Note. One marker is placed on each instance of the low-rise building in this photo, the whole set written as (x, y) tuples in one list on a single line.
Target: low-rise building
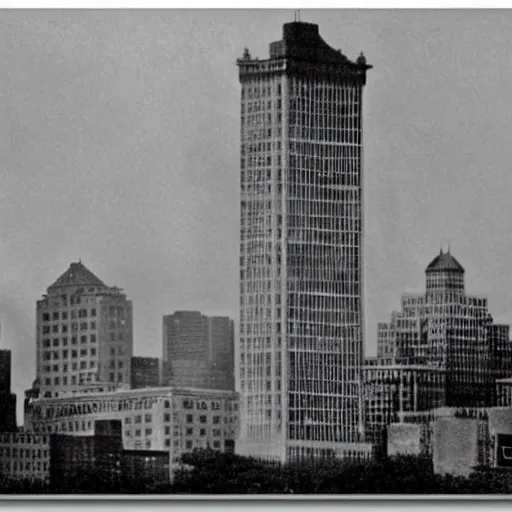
[(174, 420), (25, 456)]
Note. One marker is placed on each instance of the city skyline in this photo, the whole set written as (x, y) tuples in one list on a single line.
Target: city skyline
[(93, 111)]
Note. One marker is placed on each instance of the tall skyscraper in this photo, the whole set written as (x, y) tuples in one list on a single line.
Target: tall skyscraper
[(301, 249), (199, 350), (84, 334)]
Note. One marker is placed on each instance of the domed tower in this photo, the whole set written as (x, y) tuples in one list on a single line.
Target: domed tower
[(445, 275)]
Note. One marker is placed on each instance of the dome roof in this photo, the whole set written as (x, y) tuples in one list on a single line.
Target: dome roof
[(445, 262)]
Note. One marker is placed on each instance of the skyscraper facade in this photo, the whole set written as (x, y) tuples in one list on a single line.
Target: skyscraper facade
[(84, 334), (301, 248), (199, 350)]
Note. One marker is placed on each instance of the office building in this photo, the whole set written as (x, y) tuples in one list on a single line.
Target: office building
[(7, 398), (446, 328), (146, 372), (84, 334), (174, 420), (199, 350), (301, 250)]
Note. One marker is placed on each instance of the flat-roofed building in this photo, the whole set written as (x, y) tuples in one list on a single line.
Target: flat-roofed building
[(174, 420)]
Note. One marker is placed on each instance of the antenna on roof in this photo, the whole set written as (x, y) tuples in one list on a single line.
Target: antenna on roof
[(296, 16)]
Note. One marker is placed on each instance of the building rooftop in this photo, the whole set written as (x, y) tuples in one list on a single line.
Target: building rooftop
[(444, 261), (77, 275)]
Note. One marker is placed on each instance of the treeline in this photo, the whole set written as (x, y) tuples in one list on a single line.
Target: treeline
[(210, 472)]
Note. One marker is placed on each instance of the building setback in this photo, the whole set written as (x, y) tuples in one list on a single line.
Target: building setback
[(301, 249), (84, 334), (199, 350)]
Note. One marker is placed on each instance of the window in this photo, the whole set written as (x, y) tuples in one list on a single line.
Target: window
[(64, 328), (127, 433), (202, 419), (46, 343), (188, 445), (202, 432), (56, 381), (73, 378), (93, 338), (73, 340), (147, 418), (83, 365), (55, 367), (166, 403), (93, 325), (83, 352), (74, 354), (112, 377), (46, 317), (190, 418), (149, 431), (83, 339), (127, 420), (74, 366), (167, 442), (167, 417), (65, 341), (216, 444), (93, 312), (167, 431), (137, 433), (93, 351), (55, 328), (64, 315), (119, 377), (216, 420), (138, 419)]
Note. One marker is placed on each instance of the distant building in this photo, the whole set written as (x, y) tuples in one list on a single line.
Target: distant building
[(199, 350), (391, 389), (7, 399), (84, 334), (174, 420), (447, 329), (146, 372)]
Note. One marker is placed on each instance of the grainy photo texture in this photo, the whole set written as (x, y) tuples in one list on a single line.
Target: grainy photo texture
[(300, 223)]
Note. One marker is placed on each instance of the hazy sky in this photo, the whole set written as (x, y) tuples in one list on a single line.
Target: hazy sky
[(120, 146)]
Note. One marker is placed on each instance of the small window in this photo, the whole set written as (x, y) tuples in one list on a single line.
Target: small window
[(190, 418)]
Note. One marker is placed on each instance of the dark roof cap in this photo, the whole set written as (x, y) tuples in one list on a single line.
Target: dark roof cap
[(445, 261)]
